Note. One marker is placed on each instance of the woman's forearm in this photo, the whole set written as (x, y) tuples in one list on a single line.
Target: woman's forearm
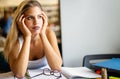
[(23, 57), (53, 56)]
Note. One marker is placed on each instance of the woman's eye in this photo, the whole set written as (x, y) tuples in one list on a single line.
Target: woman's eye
[(39, 16), (29, 17)]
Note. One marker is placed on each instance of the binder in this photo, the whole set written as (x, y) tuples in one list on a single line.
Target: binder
[(111, 65)]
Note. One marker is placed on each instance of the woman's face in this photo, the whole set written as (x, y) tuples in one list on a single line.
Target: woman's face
[(33, 19)]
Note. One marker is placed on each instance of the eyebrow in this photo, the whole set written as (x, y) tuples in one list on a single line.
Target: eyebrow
[(31, 14)]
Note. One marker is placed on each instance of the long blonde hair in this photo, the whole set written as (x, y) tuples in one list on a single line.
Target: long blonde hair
[(14, 32)]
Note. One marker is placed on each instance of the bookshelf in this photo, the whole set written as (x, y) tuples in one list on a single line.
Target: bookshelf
[(53, 13)]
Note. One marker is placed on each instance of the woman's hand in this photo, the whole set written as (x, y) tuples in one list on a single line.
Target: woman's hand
[(23, 28), (45, 23)]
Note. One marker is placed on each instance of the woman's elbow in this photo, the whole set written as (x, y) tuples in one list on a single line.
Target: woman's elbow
[(19, 75), (56, 67)]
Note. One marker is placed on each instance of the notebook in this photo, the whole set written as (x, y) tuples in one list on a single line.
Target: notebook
[(79, 72), (113, 63)]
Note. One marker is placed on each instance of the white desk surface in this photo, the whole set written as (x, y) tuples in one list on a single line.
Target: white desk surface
[(9, 75)]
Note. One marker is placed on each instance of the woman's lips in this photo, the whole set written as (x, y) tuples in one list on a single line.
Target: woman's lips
[(35, 28)]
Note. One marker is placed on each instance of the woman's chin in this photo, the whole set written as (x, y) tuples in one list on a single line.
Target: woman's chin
[(35, 33)]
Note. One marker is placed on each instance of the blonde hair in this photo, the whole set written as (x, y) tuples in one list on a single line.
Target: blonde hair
[(14, 32)]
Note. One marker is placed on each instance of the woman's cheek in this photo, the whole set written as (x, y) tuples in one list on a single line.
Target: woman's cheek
[(27, 23)]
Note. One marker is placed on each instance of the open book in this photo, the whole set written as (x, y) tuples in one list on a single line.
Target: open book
[(79, 72)]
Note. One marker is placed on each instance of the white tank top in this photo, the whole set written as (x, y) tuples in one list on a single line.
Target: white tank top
[(36, 63)]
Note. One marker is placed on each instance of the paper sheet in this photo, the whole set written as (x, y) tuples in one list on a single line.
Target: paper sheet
[(80, 72), (42, 76)]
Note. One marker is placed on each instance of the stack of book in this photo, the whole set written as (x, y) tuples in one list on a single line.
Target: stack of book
[(112, 66), (79, 72)]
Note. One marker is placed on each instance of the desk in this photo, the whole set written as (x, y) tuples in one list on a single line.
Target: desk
[(9, 75)]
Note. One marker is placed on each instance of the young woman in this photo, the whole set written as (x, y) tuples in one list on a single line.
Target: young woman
[(30, 43)]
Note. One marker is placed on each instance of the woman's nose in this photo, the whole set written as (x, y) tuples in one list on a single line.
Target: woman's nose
[(35, 21)]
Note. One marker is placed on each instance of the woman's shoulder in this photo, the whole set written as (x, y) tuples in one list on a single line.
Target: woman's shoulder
[(49, 31), (51, 35)]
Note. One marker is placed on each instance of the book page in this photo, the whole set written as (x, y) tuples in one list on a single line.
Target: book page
[(79, 72)]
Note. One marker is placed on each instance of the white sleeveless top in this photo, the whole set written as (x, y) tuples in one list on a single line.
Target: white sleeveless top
[(36, 63)]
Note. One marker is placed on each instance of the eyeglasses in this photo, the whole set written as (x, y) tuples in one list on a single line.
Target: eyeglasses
[(47, 72)]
